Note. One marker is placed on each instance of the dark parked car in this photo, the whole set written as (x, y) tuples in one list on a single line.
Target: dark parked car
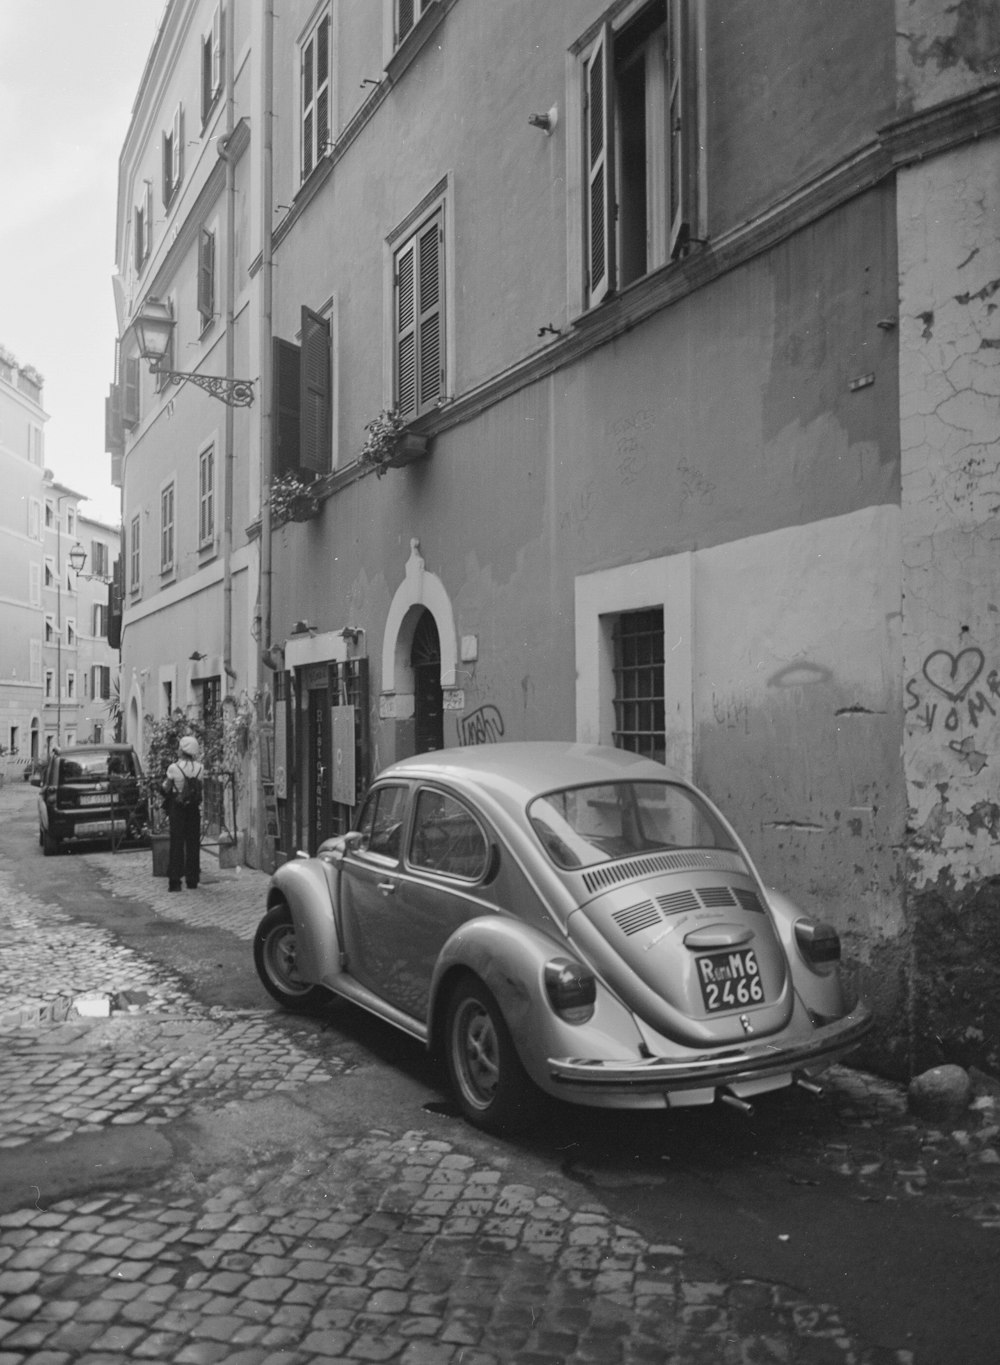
[(566, 919), (90, 792)]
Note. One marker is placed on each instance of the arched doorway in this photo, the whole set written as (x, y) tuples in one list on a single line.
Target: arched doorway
[(428, 700)]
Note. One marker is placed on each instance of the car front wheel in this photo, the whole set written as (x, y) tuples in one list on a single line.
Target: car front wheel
[(275, 957), (50, 844), (493, 1090)]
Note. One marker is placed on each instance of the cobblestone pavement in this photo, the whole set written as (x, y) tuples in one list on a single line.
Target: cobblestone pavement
[(386, 1245)]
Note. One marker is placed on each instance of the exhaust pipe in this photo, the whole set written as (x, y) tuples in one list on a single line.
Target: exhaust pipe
[(735, 1102), (810, 1087)]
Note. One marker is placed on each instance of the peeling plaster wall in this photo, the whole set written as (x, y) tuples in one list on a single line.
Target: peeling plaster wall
[(949, 255), (944, 50)]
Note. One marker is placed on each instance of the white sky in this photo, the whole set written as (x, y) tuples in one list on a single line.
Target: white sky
[(69, 73)]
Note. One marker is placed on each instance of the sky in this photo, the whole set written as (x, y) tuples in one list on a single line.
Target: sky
[(69, 74)]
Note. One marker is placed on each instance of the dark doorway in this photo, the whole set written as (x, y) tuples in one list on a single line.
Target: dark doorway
[(318, 765), (425, 660)]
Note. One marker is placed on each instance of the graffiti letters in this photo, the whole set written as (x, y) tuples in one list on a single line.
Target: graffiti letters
[(969, 697), (482, 726)]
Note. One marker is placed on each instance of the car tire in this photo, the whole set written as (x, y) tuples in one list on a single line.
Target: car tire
[(50, 844), (274, 956), (490, 1084)]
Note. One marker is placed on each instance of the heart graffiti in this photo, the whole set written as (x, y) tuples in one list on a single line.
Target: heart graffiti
[(954, 674)]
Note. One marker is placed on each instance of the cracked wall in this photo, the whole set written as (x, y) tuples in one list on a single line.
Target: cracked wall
[(949, 268)]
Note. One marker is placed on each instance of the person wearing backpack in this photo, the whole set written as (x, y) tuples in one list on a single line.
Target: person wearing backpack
[(182, 798)]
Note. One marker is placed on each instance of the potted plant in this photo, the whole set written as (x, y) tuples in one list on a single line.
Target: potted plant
[(294, 499), (388, 444)]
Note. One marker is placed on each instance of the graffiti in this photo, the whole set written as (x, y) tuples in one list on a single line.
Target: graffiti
[(482, 726), (580, 506), (694, 485), (954, 677)]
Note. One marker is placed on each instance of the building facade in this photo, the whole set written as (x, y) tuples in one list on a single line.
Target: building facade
[(682, 316), (22, 460)]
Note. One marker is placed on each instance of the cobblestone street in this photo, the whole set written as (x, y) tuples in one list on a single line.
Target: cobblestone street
[(303, 1243)]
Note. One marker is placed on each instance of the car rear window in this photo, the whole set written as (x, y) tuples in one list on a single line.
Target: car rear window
[(96, 767), (580, 826)]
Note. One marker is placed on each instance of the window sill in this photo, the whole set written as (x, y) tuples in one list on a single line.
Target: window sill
[(415, 40)]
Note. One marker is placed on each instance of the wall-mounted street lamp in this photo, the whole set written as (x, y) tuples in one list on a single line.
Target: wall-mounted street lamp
[(153, 326), (77, 558), (196, 656)]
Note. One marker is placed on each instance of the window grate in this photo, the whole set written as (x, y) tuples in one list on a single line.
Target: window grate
[(640, 723)]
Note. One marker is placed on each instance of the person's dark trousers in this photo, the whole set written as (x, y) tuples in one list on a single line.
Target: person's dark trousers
[(185, 846)]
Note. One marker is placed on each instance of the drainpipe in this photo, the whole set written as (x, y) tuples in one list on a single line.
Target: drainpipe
[(230, 304), (266, 332)]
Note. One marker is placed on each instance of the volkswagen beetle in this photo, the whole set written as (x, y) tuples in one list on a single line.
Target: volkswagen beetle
[(563, 919)]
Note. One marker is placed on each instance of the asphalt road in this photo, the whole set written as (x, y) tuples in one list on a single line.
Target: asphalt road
[(786, 1196)]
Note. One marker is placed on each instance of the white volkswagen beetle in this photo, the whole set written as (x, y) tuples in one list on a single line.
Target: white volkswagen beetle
[(566, 919)]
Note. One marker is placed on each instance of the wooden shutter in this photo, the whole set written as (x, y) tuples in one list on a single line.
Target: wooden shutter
[(405, 17), (322, 114), (130, 392), (314, 393), (206, 276), (177, 150), (114, 434), (406, 331), (166, 188), (683, 125), (599, 145), (430, 312), (216, 51), (285, 428), (308, 111)]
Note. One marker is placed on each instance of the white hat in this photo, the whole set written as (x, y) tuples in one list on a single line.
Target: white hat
[(189, 746)]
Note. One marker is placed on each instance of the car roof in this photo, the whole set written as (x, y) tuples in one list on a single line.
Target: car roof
[(524, 768), (72, 749)]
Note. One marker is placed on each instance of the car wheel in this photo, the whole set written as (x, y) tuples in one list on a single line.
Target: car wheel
[(274, 955), (491, 1086), (50, 844)]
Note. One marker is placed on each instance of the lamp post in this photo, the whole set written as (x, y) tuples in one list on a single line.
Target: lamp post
[(153, 327)]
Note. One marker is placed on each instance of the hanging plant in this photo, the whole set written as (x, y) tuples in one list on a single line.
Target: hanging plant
[(388, 444), (293, 499)]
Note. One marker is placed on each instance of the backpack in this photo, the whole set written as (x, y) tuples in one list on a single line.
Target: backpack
[(190, 793)]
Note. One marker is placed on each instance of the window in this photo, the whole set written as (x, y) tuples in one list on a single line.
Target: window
[(36, 445), (71, 522), (173, 156), (50, 572), (50, 514), (144, 226), (640, 723), (70, 685), (34, 519), (100, 559), (101, 682), (315, 84), (167, 528), (640, 147), (211, 66), (206, 497), (206, 276), (100, 620), (382, 822), (134, 576), (418, 277), (129, 392), (50, 628), (303, 421), (70, 632), (209, 692), (50, 682), (14, 737), (407, 14), (446, 837)]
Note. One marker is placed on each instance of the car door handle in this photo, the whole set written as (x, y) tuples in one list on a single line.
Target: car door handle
[(386, 887)]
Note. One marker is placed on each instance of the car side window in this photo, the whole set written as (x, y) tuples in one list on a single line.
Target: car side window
[(447, 837), (382, 822)]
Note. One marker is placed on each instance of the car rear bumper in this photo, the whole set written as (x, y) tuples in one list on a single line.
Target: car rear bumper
[(727, 1067)]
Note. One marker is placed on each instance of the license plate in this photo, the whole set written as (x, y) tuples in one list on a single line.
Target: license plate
[(93, 799), (730, 981)]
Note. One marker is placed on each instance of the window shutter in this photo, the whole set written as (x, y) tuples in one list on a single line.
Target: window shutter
[(114, 435), (430, 337), (216, 51), (206, 276), (130, 392), (314, 402), (406, 331), (167, 159), (405, 10), (599, 235), (115, 594), (177, 150), (683, 127), (285, 439), (147, 221), (308, 113), (322, 88)]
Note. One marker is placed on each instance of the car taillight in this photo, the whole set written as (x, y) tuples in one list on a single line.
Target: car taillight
[(571, 989), (819, 943)]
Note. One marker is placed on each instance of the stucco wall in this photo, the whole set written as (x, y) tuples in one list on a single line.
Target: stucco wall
[(949, 230)]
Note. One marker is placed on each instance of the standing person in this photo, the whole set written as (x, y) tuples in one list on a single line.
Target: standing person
[(182, 790)]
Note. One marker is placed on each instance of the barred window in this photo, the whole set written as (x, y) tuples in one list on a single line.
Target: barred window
[(640, 724)]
